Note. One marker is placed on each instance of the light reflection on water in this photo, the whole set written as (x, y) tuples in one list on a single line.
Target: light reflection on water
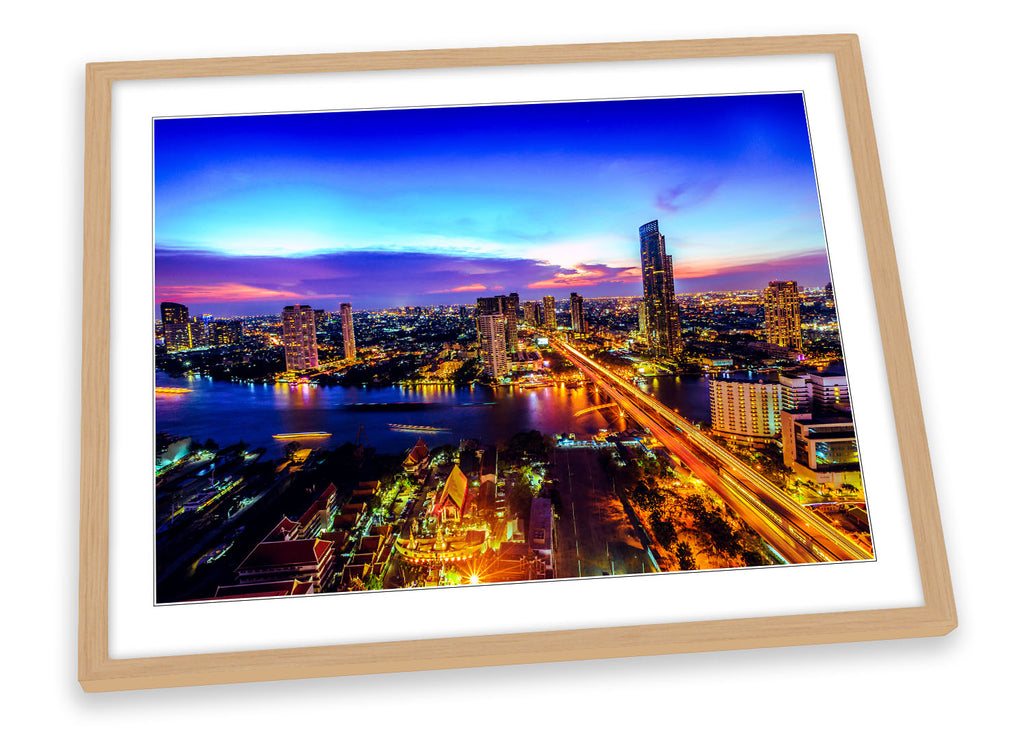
[(227, 412)]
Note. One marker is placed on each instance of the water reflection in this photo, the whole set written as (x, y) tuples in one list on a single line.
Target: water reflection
[(228, 413)]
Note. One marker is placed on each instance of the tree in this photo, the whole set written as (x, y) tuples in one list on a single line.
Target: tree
[(645, 498), (444, 454), (685, 555), (291, 449), (663, 530)]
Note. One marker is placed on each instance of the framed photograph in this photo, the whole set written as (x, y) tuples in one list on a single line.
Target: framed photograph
[(434, 359)]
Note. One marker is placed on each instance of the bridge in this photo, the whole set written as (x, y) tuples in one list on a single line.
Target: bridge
[(595, 409), (796, 534)]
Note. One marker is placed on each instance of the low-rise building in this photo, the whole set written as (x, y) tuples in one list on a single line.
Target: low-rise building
[(821, 447), (320, 514), (450, 504), (289, 559), (417, 458)]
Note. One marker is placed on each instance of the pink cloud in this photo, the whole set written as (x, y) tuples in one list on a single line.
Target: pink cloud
[(589, 275), (466, 288), (223, 292)]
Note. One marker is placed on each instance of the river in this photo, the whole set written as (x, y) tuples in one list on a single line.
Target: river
[(228, 412)]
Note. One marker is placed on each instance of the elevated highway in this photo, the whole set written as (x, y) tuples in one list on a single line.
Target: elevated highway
[(796, 534)]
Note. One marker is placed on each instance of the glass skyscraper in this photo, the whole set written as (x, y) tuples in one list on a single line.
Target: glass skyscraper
[(662, 312)]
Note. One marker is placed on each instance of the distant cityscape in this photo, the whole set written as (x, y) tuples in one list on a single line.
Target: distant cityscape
[(321, 450)]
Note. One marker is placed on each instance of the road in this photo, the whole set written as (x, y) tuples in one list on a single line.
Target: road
[(594, 535), (798, 535)]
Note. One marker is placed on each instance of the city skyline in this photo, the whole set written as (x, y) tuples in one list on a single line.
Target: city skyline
[(442, 206)]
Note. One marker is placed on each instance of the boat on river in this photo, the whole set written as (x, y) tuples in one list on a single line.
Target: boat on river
[(302, 435)]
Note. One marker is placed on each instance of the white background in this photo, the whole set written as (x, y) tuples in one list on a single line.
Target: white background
[(138, 629), (947, 122)]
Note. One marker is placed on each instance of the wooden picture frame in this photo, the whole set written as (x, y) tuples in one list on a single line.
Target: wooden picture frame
[(98, 671)]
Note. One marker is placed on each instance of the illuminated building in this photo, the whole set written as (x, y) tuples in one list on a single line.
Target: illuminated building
[(227, 332), (417, 458), (753, 408), (493, 349), (320, 320), (348, 335), (642, 319), (177, 332), (550, 318), (502, 305), (451, 502), (822, 392), (319, 516), (286, 560), (746, 409), (782, 315), (299, 337), (531, 313), (715, 364), (513, 306), (659, 292), (202, 331), (821, 447), (579, 322)]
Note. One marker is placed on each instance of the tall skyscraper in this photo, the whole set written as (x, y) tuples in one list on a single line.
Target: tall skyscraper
[(502, 305), (300, 352), (579, 322), (511, 322), (348, 335), (513, 305), (659, 292), (642, 319), (202, 331), (177, 331), (550, 318), (782, 315), (493, 349), (531, 313)]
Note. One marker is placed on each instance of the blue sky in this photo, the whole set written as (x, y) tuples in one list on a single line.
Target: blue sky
[(253, 212)]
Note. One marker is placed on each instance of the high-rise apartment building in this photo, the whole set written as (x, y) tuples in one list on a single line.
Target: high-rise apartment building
[(820, 392), (493, 349), (578, 321), (550, 318), (782, 315), (746, 409), (177, 332), (502, 305), (227, 332), (659, 292), (202, 330), (348, 335), (531, 313), (642, 319), (300, 351), (513, 305), (511, 309)]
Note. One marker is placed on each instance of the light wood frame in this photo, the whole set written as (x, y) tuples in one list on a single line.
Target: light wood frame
[(97, 671)]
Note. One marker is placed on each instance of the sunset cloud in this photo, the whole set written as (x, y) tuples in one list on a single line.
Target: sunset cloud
[(466, 288), (589, 275), (222, 292)]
